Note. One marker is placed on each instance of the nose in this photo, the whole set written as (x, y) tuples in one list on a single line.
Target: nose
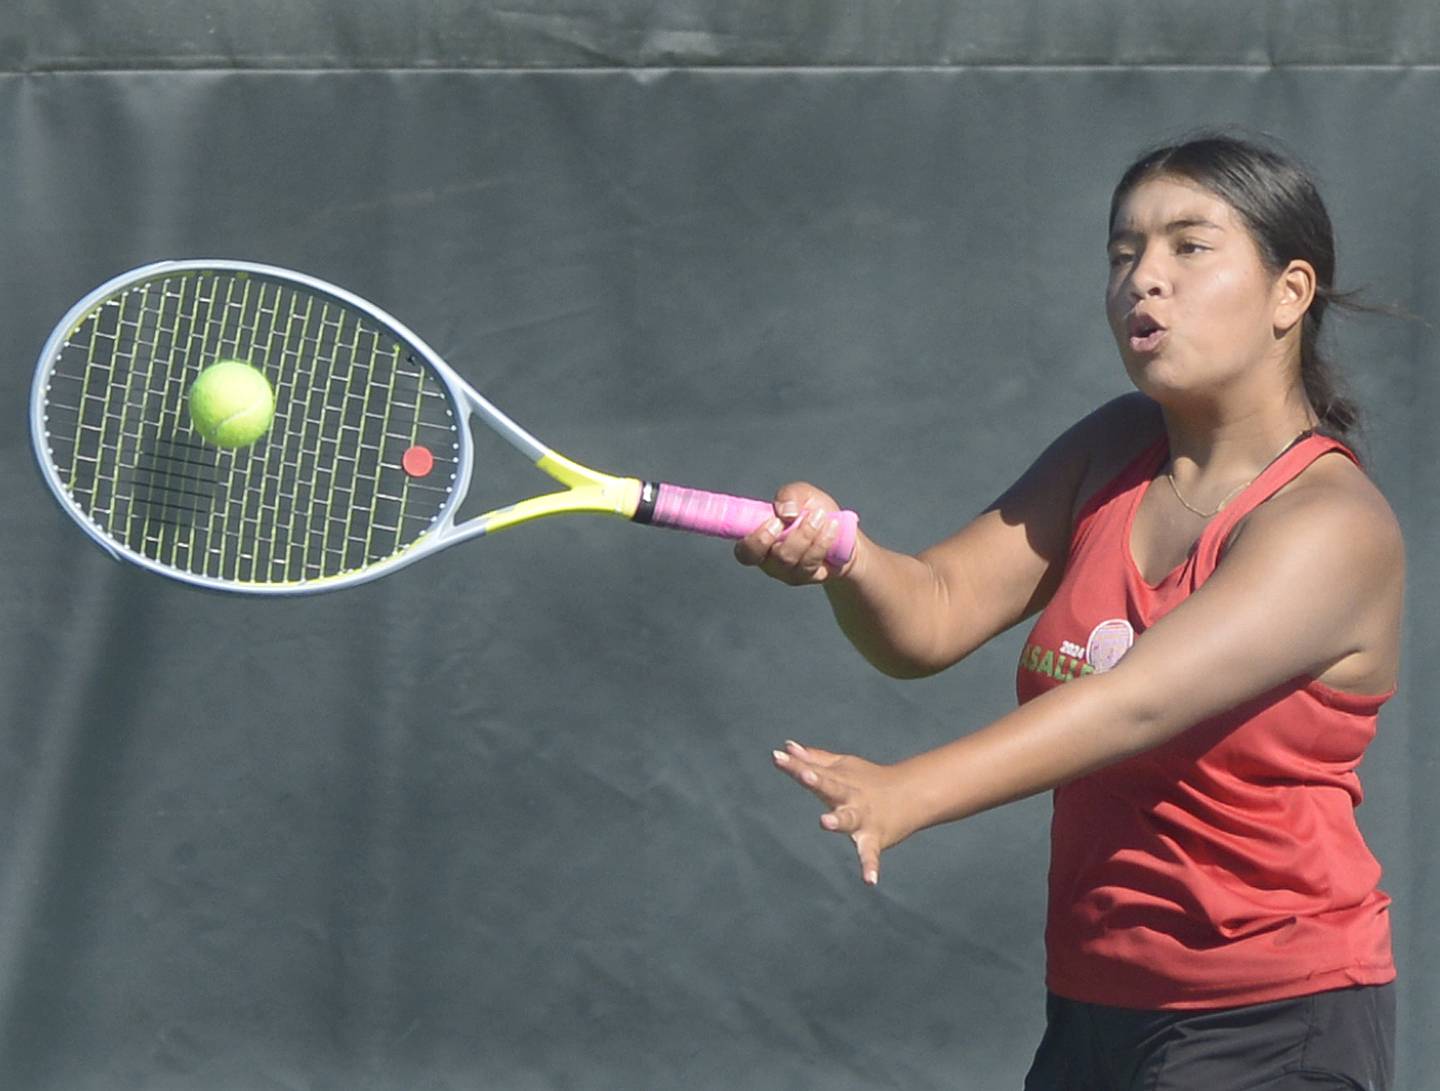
[(1148, 275)]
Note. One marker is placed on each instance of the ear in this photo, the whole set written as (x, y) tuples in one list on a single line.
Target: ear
[(1294, 292)]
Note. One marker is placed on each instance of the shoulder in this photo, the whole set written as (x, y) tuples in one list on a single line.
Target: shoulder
[(1095, 448), (1107, 440), (1082, 460), (1327, 553), (1111, 436), (1332, 512)]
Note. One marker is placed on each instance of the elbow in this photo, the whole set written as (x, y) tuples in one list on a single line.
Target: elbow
[(911, 672), (1146, 727), (1139, 719), (903, 668)]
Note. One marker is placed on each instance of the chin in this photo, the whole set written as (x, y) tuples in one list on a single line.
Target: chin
[(1158, 381), (1150, 374)]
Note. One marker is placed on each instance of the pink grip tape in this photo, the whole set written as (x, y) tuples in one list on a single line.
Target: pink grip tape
[(723, 516)]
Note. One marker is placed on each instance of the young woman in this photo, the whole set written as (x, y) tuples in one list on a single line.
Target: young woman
[(1219, 590)]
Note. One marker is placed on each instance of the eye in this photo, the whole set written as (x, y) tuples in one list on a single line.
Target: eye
[(1120, 257), (1190, 246)]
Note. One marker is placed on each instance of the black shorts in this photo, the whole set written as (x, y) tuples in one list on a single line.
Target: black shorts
[(1342, 1040)]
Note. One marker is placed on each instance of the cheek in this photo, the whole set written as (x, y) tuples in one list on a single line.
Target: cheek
[(1231, 299), (1116, 308)]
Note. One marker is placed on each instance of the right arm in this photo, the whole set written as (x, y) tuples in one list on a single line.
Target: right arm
[(914, 615)]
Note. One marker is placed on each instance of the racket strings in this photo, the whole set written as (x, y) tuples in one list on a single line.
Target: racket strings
[(323, 493)]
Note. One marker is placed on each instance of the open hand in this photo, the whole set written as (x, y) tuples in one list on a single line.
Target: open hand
[(864, 799)]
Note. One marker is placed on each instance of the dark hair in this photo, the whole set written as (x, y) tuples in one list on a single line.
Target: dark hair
[(1281, 206)]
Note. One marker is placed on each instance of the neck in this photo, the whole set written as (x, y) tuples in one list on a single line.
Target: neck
[(1209, 437), (1212, 453)]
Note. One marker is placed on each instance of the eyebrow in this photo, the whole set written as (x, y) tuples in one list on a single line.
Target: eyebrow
[(1184, 223)]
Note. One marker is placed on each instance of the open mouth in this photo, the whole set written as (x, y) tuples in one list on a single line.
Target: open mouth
[(1145, 333)]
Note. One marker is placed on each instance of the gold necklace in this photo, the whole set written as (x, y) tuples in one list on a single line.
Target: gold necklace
[(1237, 490)]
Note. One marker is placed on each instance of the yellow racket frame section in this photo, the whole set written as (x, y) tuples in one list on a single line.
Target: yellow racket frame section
[(586, 490)]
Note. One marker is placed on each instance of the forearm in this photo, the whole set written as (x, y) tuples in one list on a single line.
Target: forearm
[(913, 616), (893, 607), (1075, 729), (1085, 725)]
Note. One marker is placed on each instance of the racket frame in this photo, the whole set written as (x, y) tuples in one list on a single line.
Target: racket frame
[(586, 490)]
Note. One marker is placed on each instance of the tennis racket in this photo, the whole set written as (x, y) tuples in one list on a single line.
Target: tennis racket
[(362, 471)]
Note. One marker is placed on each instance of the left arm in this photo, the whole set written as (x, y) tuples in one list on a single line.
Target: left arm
[(1309, 586)]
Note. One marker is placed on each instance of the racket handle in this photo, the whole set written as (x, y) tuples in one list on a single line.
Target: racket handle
[(723, 516)]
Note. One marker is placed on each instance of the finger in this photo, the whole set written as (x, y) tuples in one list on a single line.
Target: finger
[(867, 846), (755, 547), (792, 499), (800, 555), (827, 790), (868, 849), (798, 536), (825, 528), (842, 819), (813, 754), (783, 560)]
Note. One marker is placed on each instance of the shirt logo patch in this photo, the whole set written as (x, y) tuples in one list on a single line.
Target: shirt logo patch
[(1108, 643)]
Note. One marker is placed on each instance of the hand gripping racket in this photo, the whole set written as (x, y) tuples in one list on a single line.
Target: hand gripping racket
[(362, 471)]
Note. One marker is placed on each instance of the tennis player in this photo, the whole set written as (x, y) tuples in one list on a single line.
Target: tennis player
[(1218, 588)]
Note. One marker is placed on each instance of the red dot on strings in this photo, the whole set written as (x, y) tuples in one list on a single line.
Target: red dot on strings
[(418, 461)]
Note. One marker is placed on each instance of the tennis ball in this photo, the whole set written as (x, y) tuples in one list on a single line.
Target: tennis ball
[(231, 404)]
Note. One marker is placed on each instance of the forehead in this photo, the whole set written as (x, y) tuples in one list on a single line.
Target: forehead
[(1161, 202)]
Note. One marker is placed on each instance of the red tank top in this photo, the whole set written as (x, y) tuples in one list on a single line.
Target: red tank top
[(1224, 867)]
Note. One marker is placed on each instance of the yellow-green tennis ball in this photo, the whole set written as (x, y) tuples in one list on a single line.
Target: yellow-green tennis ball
[(231, 404)]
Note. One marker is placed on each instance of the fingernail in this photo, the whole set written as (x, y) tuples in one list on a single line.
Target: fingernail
[(789, 509), (781, 756), (774, 526), (791, 744), (810, 776), (829, 821), (817, 519), (872, 878)]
